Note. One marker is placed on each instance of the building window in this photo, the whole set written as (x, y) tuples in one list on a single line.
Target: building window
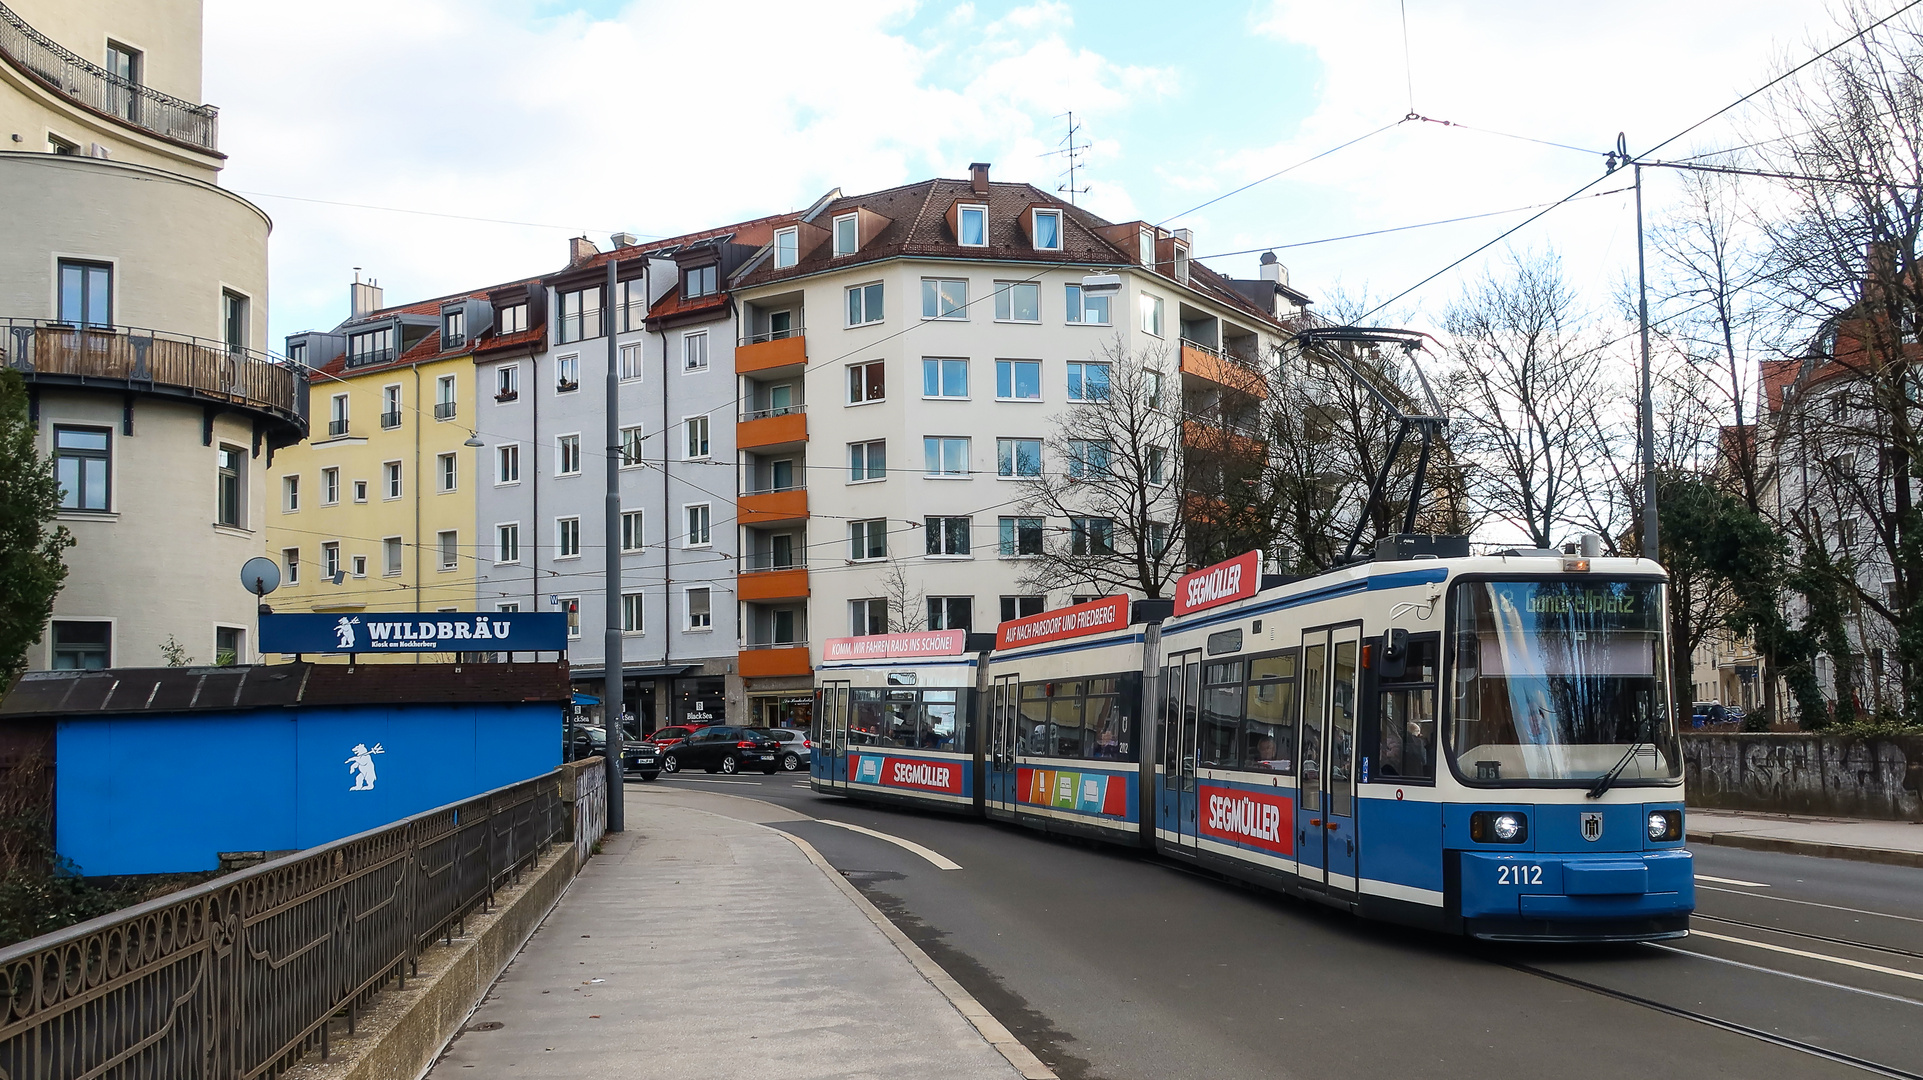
[(337, 416), (943, 298), (867, 461), (1157, 539), (631, 447), (866, 382), (330, 487), (1018, 458), (1020, 536), (696, 429), (86, 294), (787, 247), (945, 455), (449, 545), (1154, 388), (360, 491), (1091, 536), (390, 480), (230, 466), (1181, 264), (971, 226), (233, 321), (1088, 459), (632, 298), (124, 68), (391, 556), (944, 378), (446, 472), (1087, 382), (631, 537), (82, 646), (331, 560), (1018, 301), (230, 646), (631, 613), (1157, 465), (846, 235), (290, 494), (297, 353), (1021, 607), (1048, 230), (631, 361), (567, 455), (868, 539), (700, 617), (571, 607), (290, 564), (567, 538), (698, 282), (694, 351), (358, 565), (60, 146), (1018, 380), (580, 315), (947, 535), (82, 460), (444, 398), (699, 518), (567, 373), (507, 542), (868, 616), (951, 613), (511, 319), (390, 406), (371, 347), (1151, 314), (507, 382), (1087, 309), (864, 304), (507, 464), (453, 328)]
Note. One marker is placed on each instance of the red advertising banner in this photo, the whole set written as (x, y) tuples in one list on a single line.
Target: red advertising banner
[(1256, 818), (1093, 617), (1219, 584), (925, 775), (895, 646)]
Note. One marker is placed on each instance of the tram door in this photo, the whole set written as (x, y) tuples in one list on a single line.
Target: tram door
[(1325, 834), (1176, 806), (831, 748), (1003, 725)]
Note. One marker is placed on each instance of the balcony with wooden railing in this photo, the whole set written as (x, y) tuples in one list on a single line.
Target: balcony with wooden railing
[(180, 366), (767, 506), (764, 659), (765, 352), (772, 427), (1224, 369)]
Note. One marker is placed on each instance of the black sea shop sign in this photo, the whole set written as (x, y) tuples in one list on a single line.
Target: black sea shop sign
[(445, 631)]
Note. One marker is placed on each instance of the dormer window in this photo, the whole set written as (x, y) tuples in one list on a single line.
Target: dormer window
[(372, 347), (1048, 230), (1181, 264), (511, 319), (845, 235), (1148, 247), (971, 226), (297, 352), (787, 247), (453, 328), (697, 282)]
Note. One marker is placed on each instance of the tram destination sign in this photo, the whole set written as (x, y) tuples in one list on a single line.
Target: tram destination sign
[(444, 631), (1094, 617), (895, 646), (1222, 583)]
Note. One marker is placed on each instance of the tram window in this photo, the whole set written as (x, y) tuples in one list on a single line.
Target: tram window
[(1221, 715), (867, 720), (1405, 723), (1032, 736), (941, 727), (1065, 731), (1268, 727), (1102, 720)]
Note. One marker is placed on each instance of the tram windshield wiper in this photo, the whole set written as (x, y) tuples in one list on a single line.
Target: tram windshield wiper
[(1604, 781)]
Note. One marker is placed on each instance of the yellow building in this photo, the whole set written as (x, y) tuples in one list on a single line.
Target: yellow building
[(376, 511)]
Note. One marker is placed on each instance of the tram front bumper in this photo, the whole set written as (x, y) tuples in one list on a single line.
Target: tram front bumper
[(1562, 896)]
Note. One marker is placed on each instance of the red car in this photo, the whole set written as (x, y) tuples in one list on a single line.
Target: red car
[(665, 737)]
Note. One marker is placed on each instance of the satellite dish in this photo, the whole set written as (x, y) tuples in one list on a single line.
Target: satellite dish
[(260, 575)]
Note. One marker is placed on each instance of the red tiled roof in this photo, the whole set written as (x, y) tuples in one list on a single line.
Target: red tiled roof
[(493, 343), (671, 304)]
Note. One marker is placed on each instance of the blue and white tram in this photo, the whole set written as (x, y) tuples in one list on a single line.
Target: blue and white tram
[(895, 719)]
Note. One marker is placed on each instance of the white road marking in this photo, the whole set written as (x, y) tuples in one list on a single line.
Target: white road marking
[(1846, 962), (1732, 881), (1784, 974), (1812, 903), (941, 861), (704, 780)]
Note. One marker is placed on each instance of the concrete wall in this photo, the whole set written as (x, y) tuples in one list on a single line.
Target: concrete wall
[(1806, 774)]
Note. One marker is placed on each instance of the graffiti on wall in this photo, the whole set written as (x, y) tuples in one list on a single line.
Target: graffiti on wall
[(1806, 774)]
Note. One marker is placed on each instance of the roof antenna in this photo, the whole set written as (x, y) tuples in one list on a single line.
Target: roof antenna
[(1074, 152)]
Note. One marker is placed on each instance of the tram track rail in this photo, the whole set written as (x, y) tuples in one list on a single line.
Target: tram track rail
[(1807, 936)]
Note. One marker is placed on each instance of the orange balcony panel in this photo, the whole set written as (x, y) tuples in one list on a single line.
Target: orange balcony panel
[(762, 355), (760, 663), (773, 585), (771, 430), (772, 506), (1205, 364), (1200, 435)]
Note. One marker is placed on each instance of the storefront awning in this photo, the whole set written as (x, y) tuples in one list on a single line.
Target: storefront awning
[(586, 699), (581, 673)]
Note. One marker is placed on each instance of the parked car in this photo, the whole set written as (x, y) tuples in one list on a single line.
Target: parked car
[(638, 757), (722, 749), (665, 737), (797, 749), (1707, 712)]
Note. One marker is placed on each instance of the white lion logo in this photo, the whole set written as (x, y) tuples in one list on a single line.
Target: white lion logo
[(362, 766)]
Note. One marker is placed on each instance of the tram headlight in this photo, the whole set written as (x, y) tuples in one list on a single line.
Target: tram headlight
[(1498, 827), (1666, 825)]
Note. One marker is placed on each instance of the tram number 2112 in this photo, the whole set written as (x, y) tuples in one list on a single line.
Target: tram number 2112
[(1518, 874)]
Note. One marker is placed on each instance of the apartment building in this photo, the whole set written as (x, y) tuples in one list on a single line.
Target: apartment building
[(376, 511), (133, 300), (904, 355)]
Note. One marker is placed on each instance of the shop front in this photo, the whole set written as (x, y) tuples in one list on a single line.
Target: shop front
[(791, 709)]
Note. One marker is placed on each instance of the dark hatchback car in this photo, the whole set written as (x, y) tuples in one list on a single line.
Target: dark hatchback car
[(722, 749), (642, 759)]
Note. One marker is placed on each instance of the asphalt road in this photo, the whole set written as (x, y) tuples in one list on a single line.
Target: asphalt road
[(1118, 966)]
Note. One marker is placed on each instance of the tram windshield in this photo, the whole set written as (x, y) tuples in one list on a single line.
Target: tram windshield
[(1562, 681)]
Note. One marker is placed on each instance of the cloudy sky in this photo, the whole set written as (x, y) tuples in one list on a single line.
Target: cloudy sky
[(446, 144)]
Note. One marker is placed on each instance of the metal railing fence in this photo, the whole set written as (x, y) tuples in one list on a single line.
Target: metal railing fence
[(156, 358), (93, 86), (237, 978)]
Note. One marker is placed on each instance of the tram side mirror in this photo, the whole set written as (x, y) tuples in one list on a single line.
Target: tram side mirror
[(1395, 653), (1468, 653)]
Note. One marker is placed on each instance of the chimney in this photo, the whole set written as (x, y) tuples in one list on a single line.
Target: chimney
[(1185, 237), (624, 240), (363, 297), (1273, 270), (978, 178), (580, 250)]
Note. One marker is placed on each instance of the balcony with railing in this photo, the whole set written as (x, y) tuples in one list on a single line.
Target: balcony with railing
[(760, 660), (98, 90), (771, 349), (1225, 369), (337, 427), (775, 503), (444, 410), (390, 419), (778, 426), (131, 359)]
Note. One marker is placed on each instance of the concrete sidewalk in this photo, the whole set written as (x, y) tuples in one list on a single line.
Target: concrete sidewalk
[(699, 945), (1898, 843)]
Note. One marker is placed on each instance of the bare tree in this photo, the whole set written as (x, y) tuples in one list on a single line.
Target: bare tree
[(907, 605)]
